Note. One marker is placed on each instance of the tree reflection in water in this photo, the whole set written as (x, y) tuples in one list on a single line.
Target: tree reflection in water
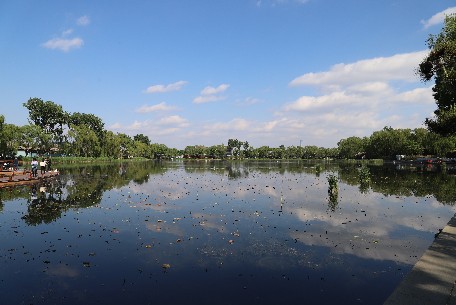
[(265, 226), (83, 186)]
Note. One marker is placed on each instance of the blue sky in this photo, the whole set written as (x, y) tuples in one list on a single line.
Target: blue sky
[(269, 72)]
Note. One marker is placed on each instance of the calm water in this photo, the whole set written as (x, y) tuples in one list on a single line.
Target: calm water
[(218, 233)]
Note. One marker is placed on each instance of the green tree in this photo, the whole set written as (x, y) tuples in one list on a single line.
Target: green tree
[(111, 147), (142, 149), (85, 141), (142, 138), (234, 145), (90, 120), (2, 135), (11, 138), (31, 137), (350, 147), (48, 116), (217, 151), (159, 151), (440, 65), (264, 152), (126, 145)]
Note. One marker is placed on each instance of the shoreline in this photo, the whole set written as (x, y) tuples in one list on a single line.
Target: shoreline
[(433, 278)]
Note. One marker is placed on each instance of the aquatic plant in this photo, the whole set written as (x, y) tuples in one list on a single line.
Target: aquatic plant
[(333, 191), (318, 169), (364, 179)]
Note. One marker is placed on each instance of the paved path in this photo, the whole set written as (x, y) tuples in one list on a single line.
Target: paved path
[(433, 278)]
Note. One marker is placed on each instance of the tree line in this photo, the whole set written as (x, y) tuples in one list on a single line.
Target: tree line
[(53, 130)]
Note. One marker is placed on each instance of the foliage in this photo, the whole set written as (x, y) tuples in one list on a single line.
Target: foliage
[(364, 178), (389, 142), (9, 134), (350, 147), (333, 191), (48, 115), (84, 141), (92, 122), (440, 65), (142, 138)]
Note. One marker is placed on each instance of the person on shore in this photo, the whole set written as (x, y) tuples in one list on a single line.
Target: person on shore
[(15, 164), (48, 164), (42, 166), (34, 167)]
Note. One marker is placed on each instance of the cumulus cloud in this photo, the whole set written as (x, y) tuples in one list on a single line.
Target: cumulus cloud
[(83, 21), (211, 94), (63, 44), (166, 88), (207, 98), (211, 90), (368, 84), (234, 124), (173, 120), (172, 126), (158, 107), (359, 98), (438, 18), (397, 67)]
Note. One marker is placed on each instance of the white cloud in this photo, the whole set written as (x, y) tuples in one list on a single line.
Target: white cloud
[(211, 90), (235, 124), (397, 67), (358, 98), (438, 18), (207, 98), (418, 95), (250, 101), (171, 126), (158, 107), (173, 120), (63, 44), (67, 32), (306, 103), (211, 94), (83, 21), (166, 88)]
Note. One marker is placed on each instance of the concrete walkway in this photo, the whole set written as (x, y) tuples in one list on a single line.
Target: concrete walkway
[(433, 278)]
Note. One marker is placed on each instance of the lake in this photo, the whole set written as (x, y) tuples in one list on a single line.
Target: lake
[(213, 232)]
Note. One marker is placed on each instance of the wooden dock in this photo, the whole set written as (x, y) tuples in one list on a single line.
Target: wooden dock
[(15, 178)]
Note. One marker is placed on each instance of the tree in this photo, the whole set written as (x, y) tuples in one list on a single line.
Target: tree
[(48, 116), (440, 65), (234, 145), (2, 135), (142, 138), (85, 141), (217, 151), (141, 149), (90, 120), (126, 145), (31, 137), (111, 147), (350, 147)]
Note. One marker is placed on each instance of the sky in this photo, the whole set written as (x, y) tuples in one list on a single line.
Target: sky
[(270, 72)]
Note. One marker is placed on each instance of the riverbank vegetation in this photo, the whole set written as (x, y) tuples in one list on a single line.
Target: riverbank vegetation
[(82, 137)]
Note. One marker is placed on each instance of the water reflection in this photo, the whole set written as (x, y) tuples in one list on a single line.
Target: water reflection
[(216, 232)]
